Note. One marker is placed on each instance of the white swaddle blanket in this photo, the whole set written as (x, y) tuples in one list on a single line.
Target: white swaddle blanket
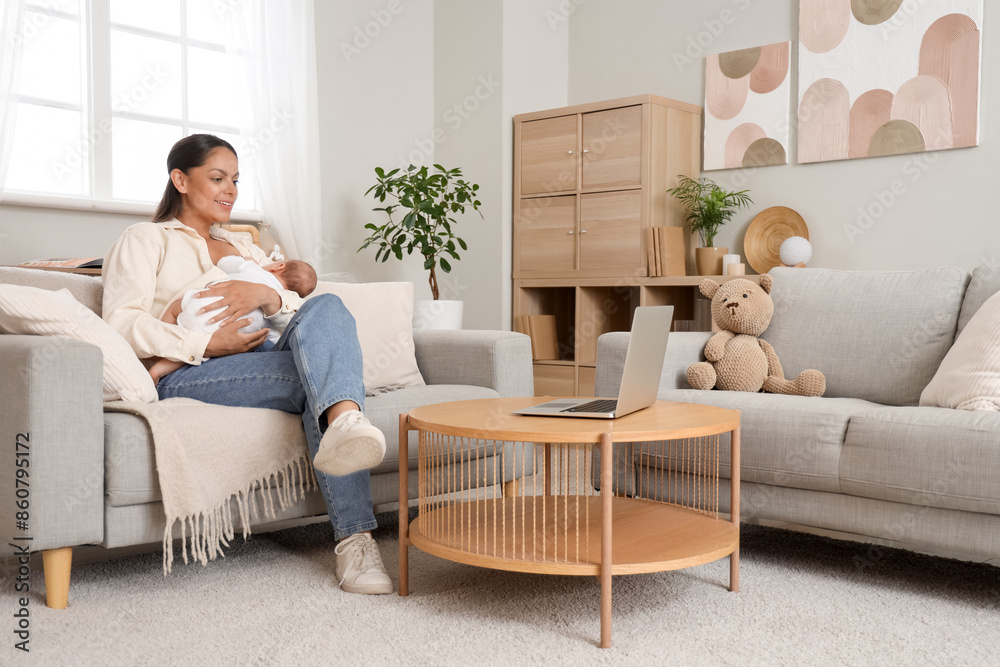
[(237, 268)]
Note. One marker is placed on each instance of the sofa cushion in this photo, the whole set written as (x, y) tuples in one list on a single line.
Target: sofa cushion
[(784, 440), (88, 290), (969, 376), (876, 336), (932, 457), (129, 464), (130, 468), (383, 313), (35, 311), (383, 411), (984, 284)]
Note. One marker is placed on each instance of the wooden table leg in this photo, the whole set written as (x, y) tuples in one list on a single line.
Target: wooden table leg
[(606, 514), (56, 565), (734, 509), (404, 513)]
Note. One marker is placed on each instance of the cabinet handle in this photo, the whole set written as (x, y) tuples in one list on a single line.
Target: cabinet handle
[(570, 152), (570, 232), (582, 231), (586, 150)]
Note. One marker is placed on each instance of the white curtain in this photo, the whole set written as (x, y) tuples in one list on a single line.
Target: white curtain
[(11, 40), (278, 46)]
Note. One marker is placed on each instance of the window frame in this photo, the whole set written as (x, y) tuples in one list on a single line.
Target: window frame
[(97, 105)]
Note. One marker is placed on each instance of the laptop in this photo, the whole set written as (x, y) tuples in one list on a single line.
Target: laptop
[(640, 379)]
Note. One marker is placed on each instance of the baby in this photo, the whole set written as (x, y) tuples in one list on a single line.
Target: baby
[(293, 274)]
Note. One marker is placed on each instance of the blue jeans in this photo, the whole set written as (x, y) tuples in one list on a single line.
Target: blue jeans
[(316, 363)]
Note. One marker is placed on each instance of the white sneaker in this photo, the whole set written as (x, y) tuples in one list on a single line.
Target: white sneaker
[(359, 566), (350, 444)]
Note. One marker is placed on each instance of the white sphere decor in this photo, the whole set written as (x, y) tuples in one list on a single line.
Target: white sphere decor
[(794, 250)]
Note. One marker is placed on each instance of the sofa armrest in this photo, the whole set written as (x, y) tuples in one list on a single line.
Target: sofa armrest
[(50, 392), (683, 349), (500, 360)]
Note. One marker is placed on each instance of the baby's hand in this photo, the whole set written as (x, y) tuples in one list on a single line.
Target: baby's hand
[(172, 313)]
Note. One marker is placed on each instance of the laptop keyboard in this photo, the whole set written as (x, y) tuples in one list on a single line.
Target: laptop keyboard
[(600, 405)]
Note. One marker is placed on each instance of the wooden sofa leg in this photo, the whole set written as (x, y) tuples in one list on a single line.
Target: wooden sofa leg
[(512, 489), (56, 565)]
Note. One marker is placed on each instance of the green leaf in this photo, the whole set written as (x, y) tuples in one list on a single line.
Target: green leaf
[(445, 266), (462, 243), (429, 263)]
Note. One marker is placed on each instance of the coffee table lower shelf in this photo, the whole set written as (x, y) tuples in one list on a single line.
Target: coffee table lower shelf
[(562, 535)]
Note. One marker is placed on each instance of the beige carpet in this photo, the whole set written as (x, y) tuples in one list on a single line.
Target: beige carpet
[(805, 600)]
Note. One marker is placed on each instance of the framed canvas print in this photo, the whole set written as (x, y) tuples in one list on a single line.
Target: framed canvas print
[(887, 77), (747, 94)]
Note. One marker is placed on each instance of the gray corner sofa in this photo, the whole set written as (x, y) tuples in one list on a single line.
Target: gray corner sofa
[(864, 458), (93, 476)]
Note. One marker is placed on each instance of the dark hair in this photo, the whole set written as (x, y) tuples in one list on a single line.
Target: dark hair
[(186, 154), (300, 277)]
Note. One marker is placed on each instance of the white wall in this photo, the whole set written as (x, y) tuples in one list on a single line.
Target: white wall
[(28, 233), (945, 214), (375, 68), (468, 108), (493, 59)]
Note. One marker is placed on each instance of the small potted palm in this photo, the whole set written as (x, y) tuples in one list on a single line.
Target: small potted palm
[(423, 203), (708, 208)]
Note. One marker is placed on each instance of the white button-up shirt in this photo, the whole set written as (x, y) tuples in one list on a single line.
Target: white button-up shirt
[(152, 265)]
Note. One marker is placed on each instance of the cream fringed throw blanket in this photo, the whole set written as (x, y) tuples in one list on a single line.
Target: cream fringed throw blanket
[(210, 455)]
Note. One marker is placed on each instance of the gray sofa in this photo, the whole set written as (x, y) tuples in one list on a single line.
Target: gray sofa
[(93, 476), (864, 458)]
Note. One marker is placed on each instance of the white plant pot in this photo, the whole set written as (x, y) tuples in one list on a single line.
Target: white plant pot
[(438, 314)]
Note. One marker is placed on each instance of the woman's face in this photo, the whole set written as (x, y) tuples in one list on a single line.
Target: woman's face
[(208, 192)]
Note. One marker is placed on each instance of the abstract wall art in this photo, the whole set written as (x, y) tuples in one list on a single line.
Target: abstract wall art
[(887, 77), (747, 94)]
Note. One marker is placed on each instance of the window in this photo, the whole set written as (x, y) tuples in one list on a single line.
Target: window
[(107, 86)]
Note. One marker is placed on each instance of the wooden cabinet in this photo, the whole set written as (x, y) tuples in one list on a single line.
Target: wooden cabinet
[(588, 181), (612, 148), (549, 155), (610, 232)]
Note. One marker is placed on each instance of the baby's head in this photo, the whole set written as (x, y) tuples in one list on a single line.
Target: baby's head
[(295, 275)]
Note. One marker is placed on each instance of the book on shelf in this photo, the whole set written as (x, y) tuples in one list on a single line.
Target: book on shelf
[(671, 251), (541, 329), (665, 251), (74, 263)]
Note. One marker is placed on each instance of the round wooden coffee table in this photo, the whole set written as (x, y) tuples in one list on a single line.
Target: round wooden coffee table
[(518, 493)]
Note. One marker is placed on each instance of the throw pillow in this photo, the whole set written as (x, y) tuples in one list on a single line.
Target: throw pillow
[(31, 310), (969, 375), (383, 313)]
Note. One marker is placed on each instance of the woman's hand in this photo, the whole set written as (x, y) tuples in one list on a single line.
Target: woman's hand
[(239, 298), (228, 339)]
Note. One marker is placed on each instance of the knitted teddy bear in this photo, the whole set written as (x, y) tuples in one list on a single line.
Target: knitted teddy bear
[(737, 360)]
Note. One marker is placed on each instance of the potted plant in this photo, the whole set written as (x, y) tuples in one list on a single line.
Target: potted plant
[(428, 201), (708, 208)]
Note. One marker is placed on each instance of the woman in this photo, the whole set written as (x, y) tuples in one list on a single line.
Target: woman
[(315, 368)]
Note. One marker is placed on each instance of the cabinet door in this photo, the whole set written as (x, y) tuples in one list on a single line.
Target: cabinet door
[(610, 236), (546, 229), (612, 148), (548, 155)]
